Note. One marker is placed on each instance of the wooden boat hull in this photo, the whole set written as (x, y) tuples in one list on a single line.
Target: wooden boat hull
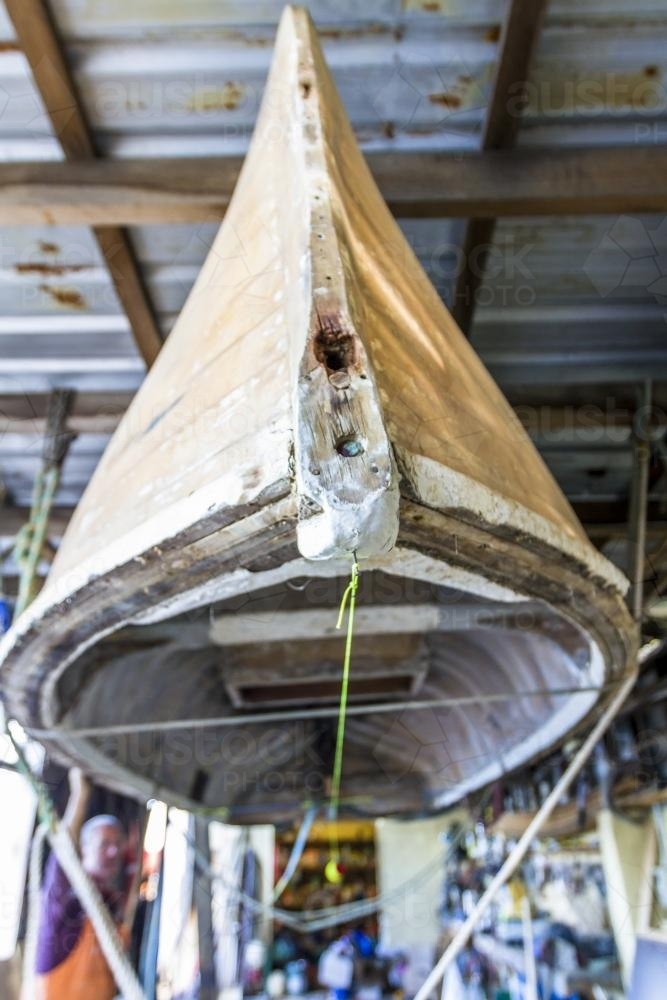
[(315, 398)]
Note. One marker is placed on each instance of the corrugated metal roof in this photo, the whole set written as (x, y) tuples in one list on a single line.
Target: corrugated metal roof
[(567, 301)]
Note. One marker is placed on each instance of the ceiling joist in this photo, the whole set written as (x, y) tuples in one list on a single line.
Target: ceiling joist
[(520, 31), (415, 185), (38, 39)]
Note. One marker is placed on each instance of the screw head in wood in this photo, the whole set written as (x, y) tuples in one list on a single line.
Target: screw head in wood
[(349, 446), (340, 380)]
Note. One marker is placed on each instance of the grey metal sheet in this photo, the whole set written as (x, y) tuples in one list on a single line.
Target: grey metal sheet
[(565, 301)]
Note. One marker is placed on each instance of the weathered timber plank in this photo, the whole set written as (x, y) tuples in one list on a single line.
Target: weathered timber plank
[(520, 31), (496, 183)]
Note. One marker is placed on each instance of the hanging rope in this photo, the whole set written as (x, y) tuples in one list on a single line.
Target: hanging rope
[(31, 538), (29, 545), (32, 922), (332, 871), (87, 892), (104, 927)]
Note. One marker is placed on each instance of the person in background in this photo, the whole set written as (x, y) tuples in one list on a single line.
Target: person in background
[(70, 962)]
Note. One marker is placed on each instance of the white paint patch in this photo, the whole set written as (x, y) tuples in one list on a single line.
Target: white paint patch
[(442, 488)]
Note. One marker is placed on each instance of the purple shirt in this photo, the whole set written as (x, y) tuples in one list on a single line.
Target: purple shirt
[(62, 918)]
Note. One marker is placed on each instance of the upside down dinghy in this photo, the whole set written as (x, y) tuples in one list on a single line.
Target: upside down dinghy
[(315, 399)]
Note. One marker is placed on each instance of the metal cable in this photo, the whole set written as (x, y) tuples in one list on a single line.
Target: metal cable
[(169, 725)]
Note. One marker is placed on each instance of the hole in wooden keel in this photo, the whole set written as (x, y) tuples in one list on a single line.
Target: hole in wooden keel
[(334, 347)]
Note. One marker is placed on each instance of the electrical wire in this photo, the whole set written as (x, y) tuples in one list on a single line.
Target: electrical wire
[(295, 855), (325, 917)]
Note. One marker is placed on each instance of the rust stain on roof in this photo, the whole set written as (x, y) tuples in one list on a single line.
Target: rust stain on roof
[(361, 31), (257, 41), (68, 298), (226, 98), (450, 101), (597, 91), (50, 248), (50, 269), (420, 130), (610, 23)]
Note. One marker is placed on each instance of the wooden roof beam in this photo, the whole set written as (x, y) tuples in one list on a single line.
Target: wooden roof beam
[(38, 37), (429, 185), (518, 38)]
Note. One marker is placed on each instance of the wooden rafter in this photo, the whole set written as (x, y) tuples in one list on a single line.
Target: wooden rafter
[(430, 185), (519, 35), (38, 38)]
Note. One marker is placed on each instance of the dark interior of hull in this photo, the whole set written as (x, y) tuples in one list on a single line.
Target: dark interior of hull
[(260, 655)]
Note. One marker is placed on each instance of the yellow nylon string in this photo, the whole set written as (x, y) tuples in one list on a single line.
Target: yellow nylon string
[(350, 596)]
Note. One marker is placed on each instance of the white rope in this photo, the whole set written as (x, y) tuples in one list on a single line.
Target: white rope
[(93, 904), (515, 857), (95, 907), (28, 990), (87, 892), (331, 916)]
